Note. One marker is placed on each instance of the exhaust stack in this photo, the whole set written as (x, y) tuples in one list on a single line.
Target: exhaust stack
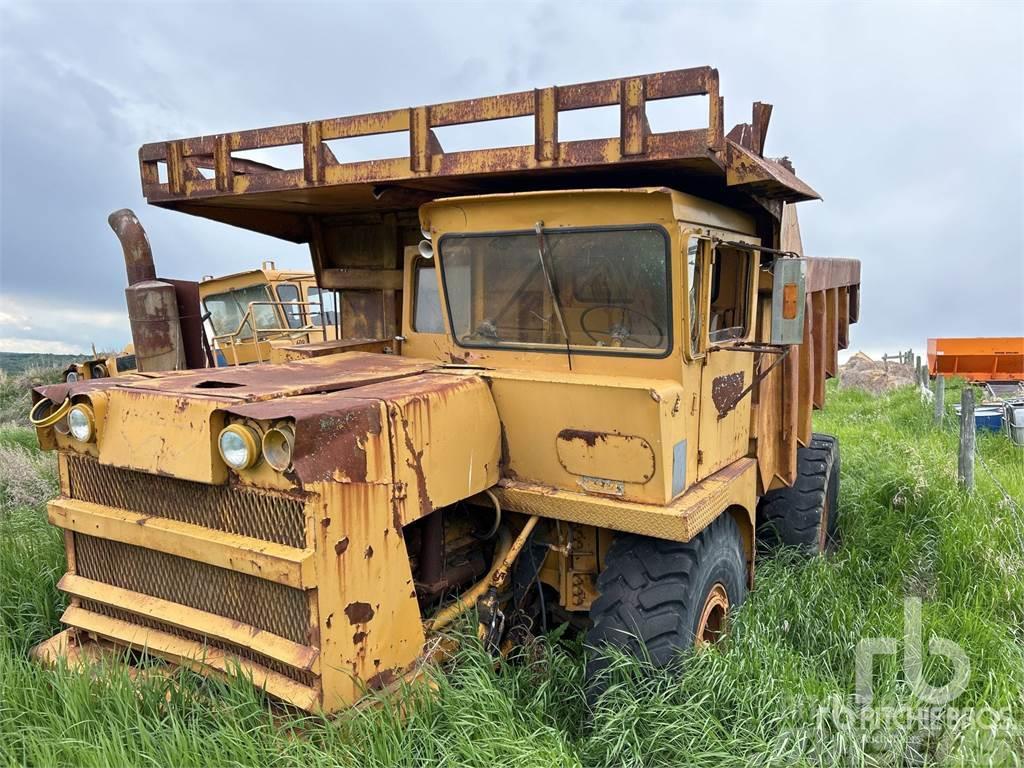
[(152, 304)]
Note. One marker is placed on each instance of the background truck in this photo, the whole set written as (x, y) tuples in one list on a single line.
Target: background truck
[(259, 315), (591, 401)]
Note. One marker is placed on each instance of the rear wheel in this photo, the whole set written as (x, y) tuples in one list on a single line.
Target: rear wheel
[(659, 597), (805, 515)]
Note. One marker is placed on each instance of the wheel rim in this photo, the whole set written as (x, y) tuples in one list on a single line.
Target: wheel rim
[(713, 617)]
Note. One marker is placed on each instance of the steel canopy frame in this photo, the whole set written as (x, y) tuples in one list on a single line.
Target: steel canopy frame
[(325, 185)]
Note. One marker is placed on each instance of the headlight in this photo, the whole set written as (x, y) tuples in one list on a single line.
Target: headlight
[(277, 446), (80, 422), (71, 376), (239, 446), (46, 413)]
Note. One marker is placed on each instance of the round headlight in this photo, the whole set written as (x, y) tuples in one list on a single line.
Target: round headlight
[(239, 446), (71, 376), (277, 446), (46, 413), (99, 371), (80, 422)]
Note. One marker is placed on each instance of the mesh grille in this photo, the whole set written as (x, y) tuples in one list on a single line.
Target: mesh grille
[(269, 606), (259, 514), (299, 675)]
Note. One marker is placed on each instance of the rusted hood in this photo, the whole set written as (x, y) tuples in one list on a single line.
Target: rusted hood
[(335, 432), (258, 382)]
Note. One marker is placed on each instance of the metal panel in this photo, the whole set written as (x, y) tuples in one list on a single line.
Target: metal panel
[(789, 290), (272, 607), (264, 515)]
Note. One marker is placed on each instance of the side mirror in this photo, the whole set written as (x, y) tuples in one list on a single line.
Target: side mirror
[(789, 297)]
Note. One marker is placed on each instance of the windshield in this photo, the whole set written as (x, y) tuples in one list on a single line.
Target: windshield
[(611, 287), (227, 309)]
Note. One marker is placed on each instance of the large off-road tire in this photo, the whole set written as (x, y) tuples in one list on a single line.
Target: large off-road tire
[(804, 515), (657, 597)]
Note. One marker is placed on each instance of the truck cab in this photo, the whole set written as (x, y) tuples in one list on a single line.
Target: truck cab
[(252, 315)]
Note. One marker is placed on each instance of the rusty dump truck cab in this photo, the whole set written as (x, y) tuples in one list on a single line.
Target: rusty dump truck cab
[(580, 342), (263, 315)]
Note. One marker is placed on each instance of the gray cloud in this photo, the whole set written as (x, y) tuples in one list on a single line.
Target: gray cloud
[(906, 117)]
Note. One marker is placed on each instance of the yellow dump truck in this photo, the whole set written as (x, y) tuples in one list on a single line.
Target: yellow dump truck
[(254, 316), (101, 366), (259, 315), (589, 401)]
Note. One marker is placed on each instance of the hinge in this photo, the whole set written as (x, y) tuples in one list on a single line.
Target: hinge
[(700, 456)]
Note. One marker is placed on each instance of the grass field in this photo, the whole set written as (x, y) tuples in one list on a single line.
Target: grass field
[(778, 694)]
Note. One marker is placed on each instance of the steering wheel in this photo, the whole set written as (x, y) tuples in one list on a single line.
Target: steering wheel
[(621, 332)]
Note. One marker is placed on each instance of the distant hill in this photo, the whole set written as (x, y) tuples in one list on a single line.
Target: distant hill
[(14, 363)]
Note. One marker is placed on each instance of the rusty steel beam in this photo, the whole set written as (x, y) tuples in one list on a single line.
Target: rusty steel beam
[(426, 157)]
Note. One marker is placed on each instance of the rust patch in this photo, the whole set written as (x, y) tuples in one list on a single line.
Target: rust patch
[(358, 637), (587, 436), (330, 619), (382, 679), (359, 613), (325, 522), (368, 553), (725, 390), (341, 546), (416, 462)]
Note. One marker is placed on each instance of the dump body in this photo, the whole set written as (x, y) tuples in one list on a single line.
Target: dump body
[(978, 359), (581, 348)]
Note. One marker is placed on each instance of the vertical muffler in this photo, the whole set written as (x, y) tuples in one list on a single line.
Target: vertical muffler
[(152, 304)]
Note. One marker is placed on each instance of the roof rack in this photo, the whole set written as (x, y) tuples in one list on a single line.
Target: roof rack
[(327, 185)]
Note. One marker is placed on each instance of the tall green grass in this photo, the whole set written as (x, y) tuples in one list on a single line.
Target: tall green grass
[(907, 530)]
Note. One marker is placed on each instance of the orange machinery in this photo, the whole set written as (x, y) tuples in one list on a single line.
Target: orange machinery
[(978, 359)]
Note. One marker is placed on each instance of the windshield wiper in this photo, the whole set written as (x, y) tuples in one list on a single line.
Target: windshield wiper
[(542, 247)]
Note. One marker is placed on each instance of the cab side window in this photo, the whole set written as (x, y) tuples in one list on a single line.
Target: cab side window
[(732, 271), (695, 269), (426, 315), (288, 294), (330, 306)]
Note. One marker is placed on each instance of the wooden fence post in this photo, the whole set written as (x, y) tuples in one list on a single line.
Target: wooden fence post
[(940, 399), (965, 465), (917, 370)]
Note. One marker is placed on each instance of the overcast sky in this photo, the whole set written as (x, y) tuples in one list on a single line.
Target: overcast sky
[(908, 119)]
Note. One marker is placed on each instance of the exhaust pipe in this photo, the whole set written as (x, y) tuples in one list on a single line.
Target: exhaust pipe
[(152, 304)]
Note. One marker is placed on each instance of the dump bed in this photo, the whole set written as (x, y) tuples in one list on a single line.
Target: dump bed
[(204, 176)]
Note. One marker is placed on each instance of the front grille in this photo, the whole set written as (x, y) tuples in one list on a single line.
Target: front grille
[(259, 514), (267, 605), (299, 675)]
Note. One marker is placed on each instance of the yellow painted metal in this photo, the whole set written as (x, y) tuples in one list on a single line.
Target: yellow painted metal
[(213, 626), (544, 415), (607, 455), (264, 559), (240, 350), (199, 656), (446, 440), (161, 433), (370, 629), (679, 521)]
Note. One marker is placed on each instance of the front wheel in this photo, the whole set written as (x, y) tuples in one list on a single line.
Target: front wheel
[(659, 597)]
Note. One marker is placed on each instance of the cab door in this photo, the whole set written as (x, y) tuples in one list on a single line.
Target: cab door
[(727, 302)]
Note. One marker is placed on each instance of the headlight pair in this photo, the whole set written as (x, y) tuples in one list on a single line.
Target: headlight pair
[(242, 446), (80, 419)]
